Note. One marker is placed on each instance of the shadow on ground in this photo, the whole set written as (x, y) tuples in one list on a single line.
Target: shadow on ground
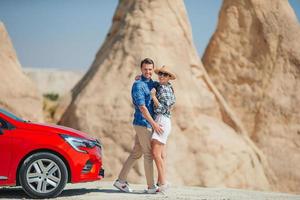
[(18, 193)]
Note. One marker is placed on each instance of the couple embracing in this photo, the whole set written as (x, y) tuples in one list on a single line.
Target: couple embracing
[(152, 101)]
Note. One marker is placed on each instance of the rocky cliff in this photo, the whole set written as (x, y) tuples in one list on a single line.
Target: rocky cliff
[(208, 146), (51, 80), (18, 94), (253, 59)]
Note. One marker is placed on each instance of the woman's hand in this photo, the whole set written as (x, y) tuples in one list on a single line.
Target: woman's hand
[(153, 92), (138, 77)]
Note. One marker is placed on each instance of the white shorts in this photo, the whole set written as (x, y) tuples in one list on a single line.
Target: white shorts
[(165, 123)]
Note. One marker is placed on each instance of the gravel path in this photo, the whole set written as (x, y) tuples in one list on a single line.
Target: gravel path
[(104, 190)]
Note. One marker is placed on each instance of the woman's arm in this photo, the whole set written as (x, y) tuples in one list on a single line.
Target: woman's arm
[(155, 101), (154, 98)]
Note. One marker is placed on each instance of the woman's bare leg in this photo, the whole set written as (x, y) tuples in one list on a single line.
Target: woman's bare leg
[(164, 158), (157, 149)]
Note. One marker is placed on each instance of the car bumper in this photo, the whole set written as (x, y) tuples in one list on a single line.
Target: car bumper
[(87, 166)]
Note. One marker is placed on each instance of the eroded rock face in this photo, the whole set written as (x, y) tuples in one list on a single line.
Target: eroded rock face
[(253, 59), (17, 93), (203, 149), (57, 81)]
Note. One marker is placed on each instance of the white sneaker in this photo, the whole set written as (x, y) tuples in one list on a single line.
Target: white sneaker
[(168, 184), (163, 188), (124, 187), (153, 190)]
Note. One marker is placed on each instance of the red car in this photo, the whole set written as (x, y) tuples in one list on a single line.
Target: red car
[(43, 158)]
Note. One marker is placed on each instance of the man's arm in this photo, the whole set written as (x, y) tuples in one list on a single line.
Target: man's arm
[(139, 100), (148, 117)]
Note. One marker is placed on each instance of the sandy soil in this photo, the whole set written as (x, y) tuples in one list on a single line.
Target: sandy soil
[(104, 190)]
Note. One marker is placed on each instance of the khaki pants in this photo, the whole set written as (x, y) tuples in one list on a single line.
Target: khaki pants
[(142, 146)]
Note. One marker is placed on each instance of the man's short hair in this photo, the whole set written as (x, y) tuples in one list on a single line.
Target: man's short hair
[(147, 61)]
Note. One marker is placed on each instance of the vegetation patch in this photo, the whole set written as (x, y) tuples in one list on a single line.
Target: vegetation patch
[(50, 104), (51, 96)]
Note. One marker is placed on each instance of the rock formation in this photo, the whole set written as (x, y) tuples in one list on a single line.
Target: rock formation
[(207, 146), (51, 80), (17, 93), (253, 59)]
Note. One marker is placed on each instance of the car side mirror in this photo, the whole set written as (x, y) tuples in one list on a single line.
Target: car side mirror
[(1, 131)]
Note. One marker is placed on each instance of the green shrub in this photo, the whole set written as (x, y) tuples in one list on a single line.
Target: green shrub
[(51, 96)]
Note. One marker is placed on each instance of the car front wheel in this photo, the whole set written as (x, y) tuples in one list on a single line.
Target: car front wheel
[(43, 175)]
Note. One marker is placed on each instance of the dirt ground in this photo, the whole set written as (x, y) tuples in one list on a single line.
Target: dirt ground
[(104, 190)]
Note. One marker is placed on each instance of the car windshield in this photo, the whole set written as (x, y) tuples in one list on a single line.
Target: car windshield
[(11, 115)]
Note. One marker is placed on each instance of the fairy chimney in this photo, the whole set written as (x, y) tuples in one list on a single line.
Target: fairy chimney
[(17, 93), (203, 149), (253, 59)]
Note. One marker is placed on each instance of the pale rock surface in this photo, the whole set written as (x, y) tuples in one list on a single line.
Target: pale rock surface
[(253, 59), (203, 149), (52, 80), (18, 94)]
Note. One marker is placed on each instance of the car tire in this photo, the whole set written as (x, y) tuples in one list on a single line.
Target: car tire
[(43, 175)]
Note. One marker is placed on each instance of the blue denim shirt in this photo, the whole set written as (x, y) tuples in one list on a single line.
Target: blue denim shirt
[(140, 94)]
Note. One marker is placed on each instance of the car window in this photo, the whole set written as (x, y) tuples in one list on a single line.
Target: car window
[(11, 115), (3, 124)]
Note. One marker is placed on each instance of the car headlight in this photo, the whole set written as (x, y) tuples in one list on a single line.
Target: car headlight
[(79, 143)]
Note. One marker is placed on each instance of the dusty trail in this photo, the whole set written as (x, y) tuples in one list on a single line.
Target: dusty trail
[(104, 190)]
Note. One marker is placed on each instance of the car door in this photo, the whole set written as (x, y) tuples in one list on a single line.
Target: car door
[(5, 150)]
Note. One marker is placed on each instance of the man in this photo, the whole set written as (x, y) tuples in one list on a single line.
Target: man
[(143, 124)]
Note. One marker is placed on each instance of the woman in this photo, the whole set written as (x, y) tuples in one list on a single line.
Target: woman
[(163, 99)]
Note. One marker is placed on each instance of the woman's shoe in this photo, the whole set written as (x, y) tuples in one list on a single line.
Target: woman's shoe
[(163, 188), (153, 190)]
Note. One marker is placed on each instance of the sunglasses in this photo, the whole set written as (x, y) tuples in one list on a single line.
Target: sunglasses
[(163, 74)]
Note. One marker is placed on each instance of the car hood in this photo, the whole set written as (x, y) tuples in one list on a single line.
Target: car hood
[(57, 129)]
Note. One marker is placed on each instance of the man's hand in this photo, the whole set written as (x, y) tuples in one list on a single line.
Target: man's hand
[(157, 128)]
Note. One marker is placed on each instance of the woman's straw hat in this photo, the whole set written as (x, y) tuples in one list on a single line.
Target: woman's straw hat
[(165, 69)]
